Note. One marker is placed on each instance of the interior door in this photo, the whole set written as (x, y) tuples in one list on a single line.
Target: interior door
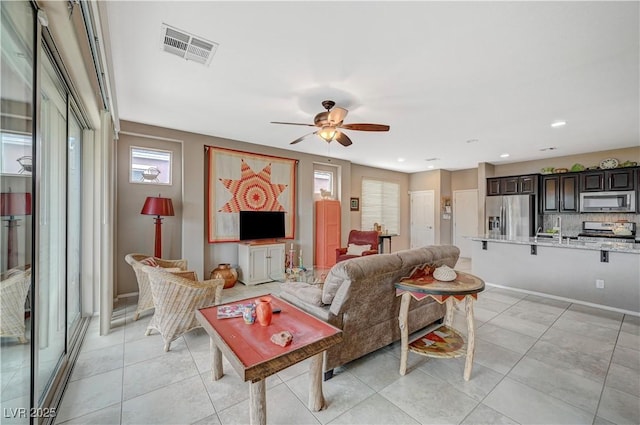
[(465, 219), (422, 218)]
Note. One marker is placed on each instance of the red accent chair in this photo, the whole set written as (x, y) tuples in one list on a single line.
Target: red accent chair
[(359, 237)]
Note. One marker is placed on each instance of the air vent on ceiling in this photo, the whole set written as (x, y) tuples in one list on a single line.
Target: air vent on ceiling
[(187, 46)]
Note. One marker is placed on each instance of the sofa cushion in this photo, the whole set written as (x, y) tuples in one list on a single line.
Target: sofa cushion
[(334, 280), (354, 249), (187, 274), (171, 269), (150, 261), (310, 294)]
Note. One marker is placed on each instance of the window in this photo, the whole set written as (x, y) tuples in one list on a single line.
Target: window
[(150, 166), (16, 153), (322, 180), (380, 204)]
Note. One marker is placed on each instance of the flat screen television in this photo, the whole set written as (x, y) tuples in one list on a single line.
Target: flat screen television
[(261, 225)]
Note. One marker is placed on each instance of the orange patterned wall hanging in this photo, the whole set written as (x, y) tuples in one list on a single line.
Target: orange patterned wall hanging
[(245, 181)]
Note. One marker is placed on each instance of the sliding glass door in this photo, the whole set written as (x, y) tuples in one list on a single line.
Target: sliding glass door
[(74, 189), (40, 205), (51, 167), (17, 45)]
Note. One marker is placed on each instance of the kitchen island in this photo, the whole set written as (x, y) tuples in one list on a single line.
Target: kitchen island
[(602, 274)]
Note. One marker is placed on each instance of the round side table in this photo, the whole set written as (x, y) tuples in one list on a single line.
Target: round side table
[(444, 341)]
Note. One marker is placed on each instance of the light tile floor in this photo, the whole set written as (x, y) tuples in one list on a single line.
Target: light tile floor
[(538, 361)]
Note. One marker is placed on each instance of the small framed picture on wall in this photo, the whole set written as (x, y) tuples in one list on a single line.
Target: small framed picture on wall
[(355, 204)]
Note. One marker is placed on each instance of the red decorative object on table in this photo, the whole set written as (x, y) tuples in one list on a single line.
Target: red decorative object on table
[(264, 313)]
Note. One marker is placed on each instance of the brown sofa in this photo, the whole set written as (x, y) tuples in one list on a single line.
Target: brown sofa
[(358, 297)]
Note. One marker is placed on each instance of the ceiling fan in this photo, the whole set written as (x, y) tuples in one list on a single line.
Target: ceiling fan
[(331, 122)]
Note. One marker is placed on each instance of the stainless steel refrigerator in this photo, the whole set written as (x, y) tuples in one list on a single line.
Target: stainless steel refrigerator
[(511, 215)]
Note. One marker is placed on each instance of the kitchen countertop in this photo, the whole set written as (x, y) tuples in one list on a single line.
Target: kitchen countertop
[(568, 243)]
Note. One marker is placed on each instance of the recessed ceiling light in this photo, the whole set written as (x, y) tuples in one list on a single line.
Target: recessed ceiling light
[(550, 148), (430, 166), (472, 141), (504, 155), (557, 124), (401, 160)]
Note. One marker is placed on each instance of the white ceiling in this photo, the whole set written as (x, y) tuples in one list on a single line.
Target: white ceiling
[(439, 73)]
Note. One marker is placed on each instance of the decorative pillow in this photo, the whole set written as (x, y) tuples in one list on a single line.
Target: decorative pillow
[(188, 274), (354, 249), (11, 272), (331, 285), (310, 294), (150, 261), (172, 269)]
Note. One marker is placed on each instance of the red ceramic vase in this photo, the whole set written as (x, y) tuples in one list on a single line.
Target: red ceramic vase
[(264, 311)]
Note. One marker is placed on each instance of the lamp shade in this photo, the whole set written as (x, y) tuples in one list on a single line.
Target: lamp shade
[(328, 132), (15, 203), (157, 206)]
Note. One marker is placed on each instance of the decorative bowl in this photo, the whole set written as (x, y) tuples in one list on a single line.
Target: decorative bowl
[(444, 274), (546, 170)]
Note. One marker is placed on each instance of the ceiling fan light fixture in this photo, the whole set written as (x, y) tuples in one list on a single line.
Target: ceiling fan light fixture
[(328, 133), (330, 125)]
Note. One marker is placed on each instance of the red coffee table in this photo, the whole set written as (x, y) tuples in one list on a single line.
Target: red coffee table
[(254, 357)]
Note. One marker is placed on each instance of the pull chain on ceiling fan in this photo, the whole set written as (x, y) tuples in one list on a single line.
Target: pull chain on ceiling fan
[(330, 123)]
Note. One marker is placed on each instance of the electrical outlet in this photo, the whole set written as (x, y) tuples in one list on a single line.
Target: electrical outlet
[(600, 283)]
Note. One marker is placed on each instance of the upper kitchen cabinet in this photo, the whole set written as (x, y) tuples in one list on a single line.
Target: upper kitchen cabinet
[(603, 180), (493, 186), (514, 185), (560, 193)]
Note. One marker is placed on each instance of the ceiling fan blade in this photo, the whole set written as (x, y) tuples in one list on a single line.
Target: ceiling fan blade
[(343, 139), (300, 139), (337, 114), (292, 123), (366, 127)]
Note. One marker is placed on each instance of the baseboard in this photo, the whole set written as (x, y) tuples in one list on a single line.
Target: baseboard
[(570, 300)]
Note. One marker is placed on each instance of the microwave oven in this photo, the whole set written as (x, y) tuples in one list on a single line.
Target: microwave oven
[(624, 201)]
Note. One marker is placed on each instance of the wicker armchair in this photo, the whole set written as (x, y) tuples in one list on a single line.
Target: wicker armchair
[(14, 288), (176, 299), (145, 300)]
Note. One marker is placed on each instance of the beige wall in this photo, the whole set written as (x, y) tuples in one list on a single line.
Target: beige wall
[(464, 179), (440, 182), (358, 172), (202, 256), (136, 232), (588, 160), (445, 220)]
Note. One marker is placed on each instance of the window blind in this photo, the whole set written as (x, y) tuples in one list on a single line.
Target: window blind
[(380, 204)]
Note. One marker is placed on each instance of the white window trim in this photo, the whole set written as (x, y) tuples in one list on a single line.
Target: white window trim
[(138, 167)]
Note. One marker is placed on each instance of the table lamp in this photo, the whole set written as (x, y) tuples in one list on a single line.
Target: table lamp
[(11, 205), (159, 207)]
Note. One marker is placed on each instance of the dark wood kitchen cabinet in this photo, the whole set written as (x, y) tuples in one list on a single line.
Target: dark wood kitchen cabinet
[(528, 184), (493, 186), (603, 180), (513, 185), (560, 193)]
